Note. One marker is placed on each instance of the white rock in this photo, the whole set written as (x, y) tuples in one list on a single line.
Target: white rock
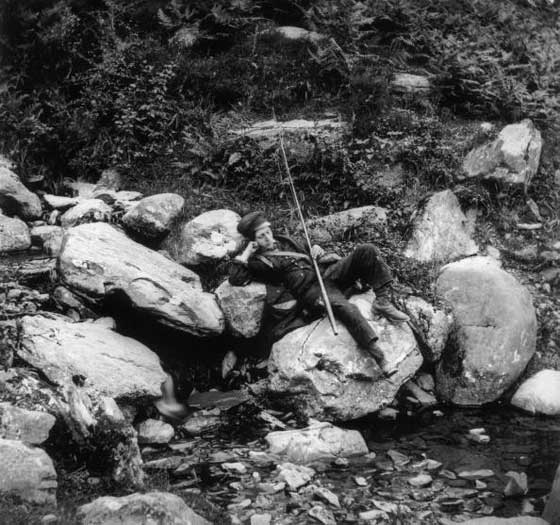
[(212, 236), (88, 210), (552, 509), (513, 157), (476, 474), (153, 216), (441, 231), (153, 431), (112, 364), (320, 441), (331, 377), (243, 307), (28, 426), (295, 476), (494, 334), (15, 198), (517, 484), (422, 480), (322, 515), (98, 259), (14, 234), (57, 202), (294, 33), (327, 496), (540, 394)]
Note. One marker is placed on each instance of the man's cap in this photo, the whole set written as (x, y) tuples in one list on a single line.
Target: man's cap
[(250, 223)]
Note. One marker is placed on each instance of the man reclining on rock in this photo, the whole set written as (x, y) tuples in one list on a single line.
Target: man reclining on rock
[(280, 260)]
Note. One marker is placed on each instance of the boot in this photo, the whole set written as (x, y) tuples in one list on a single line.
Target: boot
[(383, 305), (387, 368), (168, 405)]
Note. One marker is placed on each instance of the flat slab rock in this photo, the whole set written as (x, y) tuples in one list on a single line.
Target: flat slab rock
[(331, 378), (320, 441), (540, 394), (97, 260), (152, 507), (28, 426), (494, 334), (27, 473), (114, 365)]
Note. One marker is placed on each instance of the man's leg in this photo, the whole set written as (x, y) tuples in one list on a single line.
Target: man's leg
[(366, 263)]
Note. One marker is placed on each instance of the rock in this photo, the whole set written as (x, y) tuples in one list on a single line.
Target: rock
[(199, 423), (156, 507), (235, 467), (295, 476), (49, 238), (327, 496), (88, 210), (330, 377), (243, 307), (322, 515), (441, 232), (15, 198), (80, 188), (29, 426), (337, 225), (408, 83), (129, 196), (424, 398), (422, 480), (426, 381), (360, 481), (523, 520), (57, 202), (540, 394), (27, 473), (494, 334), (92, 355), (512, 158), (212, 236), (261, 519), (153, 431), (516, 485), (431, 325), (98, 260), (153, 216), (551, 511), (14, 234), (320, 441), (373, 515), (66, 300), (297, 34)]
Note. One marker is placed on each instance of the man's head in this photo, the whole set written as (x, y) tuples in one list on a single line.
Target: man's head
[(256, 227)]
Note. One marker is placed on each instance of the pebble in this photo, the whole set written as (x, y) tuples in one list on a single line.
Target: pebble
[(373, 515), (398, 459), (341, 462), (422, 480), (327, 496), (480, 485), (360, 481), (448, 474), (322, 515), (241, 505), (295, 476), (238, 468), (517, 484)]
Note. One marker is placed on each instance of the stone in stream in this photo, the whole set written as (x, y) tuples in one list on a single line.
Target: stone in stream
[(322, 515), (156, 507), (494, 334), (320, 441), (421, 480), (441, 232), (153, 431), (14, 234), (89, 210), (29, 426), (153, 216), (330, 377), (27, 473), (15, 198), (98, 260), (476, 474), (540, 394), (327, 496), (295, 476)]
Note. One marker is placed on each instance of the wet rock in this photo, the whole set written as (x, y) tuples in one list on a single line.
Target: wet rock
[(494, 334), (243, 307), (49, 238), (15, 198), (431, 325), (540, 394), (153, 431), (212, 236), (337, 225), (14, 234), (29, 426), (516, 485), (57, 202), (98, 260), (330, 377), (512, 158), (422, 480), (163, 507), (27, 473), (322, 515), (88, 210), (200, 423), (91, 355), (295, 476), (153, 216), (320, 441), (441, 231)]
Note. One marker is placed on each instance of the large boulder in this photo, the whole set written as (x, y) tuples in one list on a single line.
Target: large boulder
[(494, 335), (441, 231), (14, 234), (512, 158), (15, 198), (540, 394), (152, 507), (320, 441), (212, 236), (92, 355), (152, 217), (29, 426), (88, 210), (97, 260), (27, 473), (336, 225), (243, 307), (330, 377)]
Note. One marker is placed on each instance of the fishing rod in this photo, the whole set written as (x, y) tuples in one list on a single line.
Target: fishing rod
[(328, 307)]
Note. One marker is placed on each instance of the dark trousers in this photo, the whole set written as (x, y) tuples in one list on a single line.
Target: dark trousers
[(364, 264)]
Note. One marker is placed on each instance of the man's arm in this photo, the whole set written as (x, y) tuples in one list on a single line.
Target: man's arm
[(245, 268)]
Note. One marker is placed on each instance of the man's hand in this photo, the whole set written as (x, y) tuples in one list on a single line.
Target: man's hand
[(251, 248), (317, 251)]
